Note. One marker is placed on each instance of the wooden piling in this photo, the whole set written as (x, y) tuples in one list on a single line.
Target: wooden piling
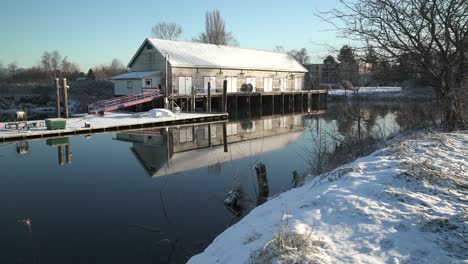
[(263, 189), (65, 97), (209, 97), (57, 89), (225, 137), (193, 99), (224, 107)]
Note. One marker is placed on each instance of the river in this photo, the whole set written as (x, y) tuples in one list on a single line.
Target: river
[(156, 195)]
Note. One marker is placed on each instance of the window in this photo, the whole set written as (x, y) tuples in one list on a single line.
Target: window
[(129, 84), (148, 83), (231, 84), (267, 84), (298, 84), (251, 80), (149, 46), (211, 80), (284, 84)]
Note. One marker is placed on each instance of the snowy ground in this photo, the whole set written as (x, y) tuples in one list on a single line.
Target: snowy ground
[(407, 203), (365, 91)]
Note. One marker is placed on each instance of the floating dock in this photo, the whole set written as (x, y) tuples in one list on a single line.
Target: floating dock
[(109, 122)]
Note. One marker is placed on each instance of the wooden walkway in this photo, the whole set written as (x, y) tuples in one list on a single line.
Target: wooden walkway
[(76, 125)]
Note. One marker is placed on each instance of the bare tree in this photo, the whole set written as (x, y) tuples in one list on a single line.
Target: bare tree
[(105, 71), (429, 36), (279, 48), (215, 32), (12, 67), (300, 55), (170, 31), (69, 68), (51, 62)]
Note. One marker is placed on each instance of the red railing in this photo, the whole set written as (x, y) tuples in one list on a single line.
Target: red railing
[(124, 101)]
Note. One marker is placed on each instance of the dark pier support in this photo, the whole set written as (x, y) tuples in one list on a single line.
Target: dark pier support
[(225, 137), (273, 104), (209, 97), (261, 105), (293, 102), (282, 103), (224, 106)]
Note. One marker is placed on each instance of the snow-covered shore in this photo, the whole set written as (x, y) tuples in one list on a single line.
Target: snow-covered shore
[(407, 203)]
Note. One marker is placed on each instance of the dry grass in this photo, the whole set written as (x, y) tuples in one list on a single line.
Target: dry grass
[(289, 247)]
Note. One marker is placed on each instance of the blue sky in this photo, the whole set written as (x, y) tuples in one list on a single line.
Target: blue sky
[(92, 32)]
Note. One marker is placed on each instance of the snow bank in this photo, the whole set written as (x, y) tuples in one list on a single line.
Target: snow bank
[(403, 204), (365, 91)]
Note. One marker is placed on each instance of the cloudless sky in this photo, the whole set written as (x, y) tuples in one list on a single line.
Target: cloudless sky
[(92, 32)]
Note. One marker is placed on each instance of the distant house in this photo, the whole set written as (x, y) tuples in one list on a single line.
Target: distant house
[(192, 65)]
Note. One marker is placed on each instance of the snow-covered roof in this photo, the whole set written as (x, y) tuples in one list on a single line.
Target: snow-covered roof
[(201, 55), (135, 75)]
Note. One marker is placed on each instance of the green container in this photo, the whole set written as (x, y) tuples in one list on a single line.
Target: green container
[(57, 141), (55, 123)]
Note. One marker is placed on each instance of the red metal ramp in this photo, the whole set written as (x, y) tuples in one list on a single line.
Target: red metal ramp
[(124, 101)]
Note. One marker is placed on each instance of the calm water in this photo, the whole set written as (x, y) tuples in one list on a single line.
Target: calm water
[(154, 195)]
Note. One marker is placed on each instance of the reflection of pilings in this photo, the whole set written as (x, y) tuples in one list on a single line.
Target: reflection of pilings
[(60, 155), (68, 153), (225, 137), (22, 148), (209, 98), (263, 189), (209, 135)]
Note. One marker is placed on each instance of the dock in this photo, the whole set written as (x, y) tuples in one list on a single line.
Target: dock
[(109, 122)]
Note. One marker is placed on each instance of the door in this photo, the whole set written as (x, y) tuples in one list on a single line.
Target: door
[(212, 81), (185, 85), (231, 84), (188, 85), (267, 84), (284, 84), (298, 84)]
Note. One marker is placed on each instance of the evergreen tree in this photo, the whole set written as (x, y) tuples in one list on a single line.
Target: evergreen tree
[(91, 75), (346, 55), (329, 60)]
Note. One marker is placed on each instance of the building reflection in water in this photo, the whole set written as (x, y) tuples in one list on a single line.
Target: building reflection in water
[(163, 151)]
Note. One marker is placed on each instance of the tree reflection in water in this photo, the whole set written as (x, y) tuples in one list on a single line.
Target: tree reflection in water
[(351, 129)]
